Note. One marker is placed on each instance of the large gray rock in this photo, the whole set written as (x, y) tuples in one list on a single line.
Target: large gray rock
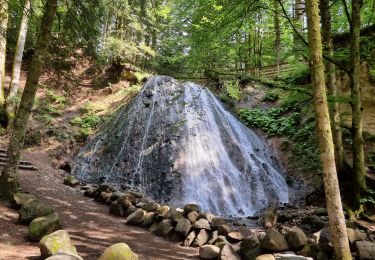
[(163, 228), (56, 243), (183, 227), (190, 239), (365, 250), (136, 218), (43, 226), (209, 252), (64, 257), (202, 238), (228, 253), (33, 209), (274, 242), (202, 223), (119, 251), (296, 238)]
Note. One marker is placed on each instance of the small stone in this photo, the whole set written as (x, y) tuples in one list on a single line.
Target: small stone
[(189, 239), (33, 209), (202, 223), (136, 218), (116, 209), (183, 227), (209, 252), (228, 253), (193, 216), (365, 250), (274, 241), (265, 257), (119, 251), (163, 228), (201, 239), (43, 226), (71, 181), (55, 243), (191, 207), (296, 238)]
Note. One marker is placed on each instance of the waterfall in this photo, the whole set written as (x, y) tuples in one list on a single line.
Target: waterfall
[(178, 144)]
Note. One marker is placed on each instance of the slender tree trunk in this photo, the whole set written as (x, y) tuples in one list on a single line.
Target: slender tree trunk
[(3, 42), (331, 84), (334, 206), (11, 103), (298, 20), (9, 178), (277, 35), (358, 152)]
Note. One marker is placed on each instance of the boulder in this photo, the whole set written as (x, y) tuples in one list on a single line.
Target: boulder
[(274, 241), (355, 235), (43, 226), (71, 181), (151, 206), (221, 241), (265, 257), (33, 209), (365, 250), (136, 194), (236, 236), (105, 197), (125, 203), (163, 228), (136, 218), (56, 243), (130, 211), (141, 204), (253, 253), (202, 223), (64, 257), (296, 238), (20, 199), (149, 219), (228, 253), (206, 215), (183, 227), (130, 198), (193, 216), (213, 237), (116, 195), (189, 239), (248, 244), (116, 209), (201, 239), (209, 252), (119, 251), (224, 229), (191, 207)]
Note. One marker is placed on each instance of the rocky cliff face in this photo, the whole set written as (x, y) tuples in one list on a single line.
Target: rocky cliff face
[(177, 144)]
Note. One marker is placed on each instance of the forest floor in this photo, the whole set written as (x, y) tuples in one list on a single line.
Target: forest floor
[(88, 223)]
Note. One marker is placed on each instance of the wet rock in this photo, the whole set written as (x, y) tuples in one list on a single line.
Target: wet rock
[(149, 219), (274, 241), (365, 250), (64, 257), (20, 199), (228, 253), (296, 238), (71, 181), (265, 257), (202, 223), (248, 244), (193, 216), (224, 229), (136, 218), (183, 227), (116, 209), (163, 228), (209, 252), (191, 207), (124, 202), (55, 243), (43, 226), (190, 238), (119, 251), (33, 209), (201, 239)]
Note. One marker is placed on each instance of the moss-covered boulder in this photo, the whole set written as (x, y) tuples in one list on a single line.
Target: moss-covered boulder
[(20, 198), (119, 251), (57, 243), (43, 226), (33, 209), (71, 181), (64, 257)]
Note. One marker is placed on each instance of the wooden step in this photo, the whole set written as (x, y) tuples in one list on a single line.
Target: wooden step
[(22, 167), (4, 159)]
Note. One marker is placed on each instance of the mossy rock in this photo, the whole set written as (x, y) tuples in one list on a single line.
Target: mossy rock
[(64, 257), (71, 181), (57, 243), (19, 199), (43, 226), (119, 251), (33, 209)]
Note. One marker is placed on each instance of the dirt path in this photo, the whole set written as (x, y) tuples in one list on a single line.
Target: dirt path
[(88, 222)]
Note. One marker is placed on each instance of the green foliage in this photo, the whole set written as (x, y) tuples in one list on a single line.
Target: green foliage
[(87, 121), (271, 96), (369, 199), (232, 89), (299, 74), (49, 106)]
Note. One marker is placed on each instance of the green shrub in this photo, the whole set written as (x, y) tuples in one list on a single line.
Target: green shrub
[(271, 96), (86, 121)]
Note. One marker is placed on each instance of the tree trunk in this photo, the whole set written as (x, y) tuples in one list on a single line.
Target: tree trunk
[(298, 21), (277, 35), (11, 102), (3, 42), (9, 178), (324, 134), (358, 153), (331, 84)]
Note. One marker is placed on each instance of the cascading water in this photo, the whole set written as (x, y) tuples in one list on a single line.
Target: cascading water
[(178, 144)]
